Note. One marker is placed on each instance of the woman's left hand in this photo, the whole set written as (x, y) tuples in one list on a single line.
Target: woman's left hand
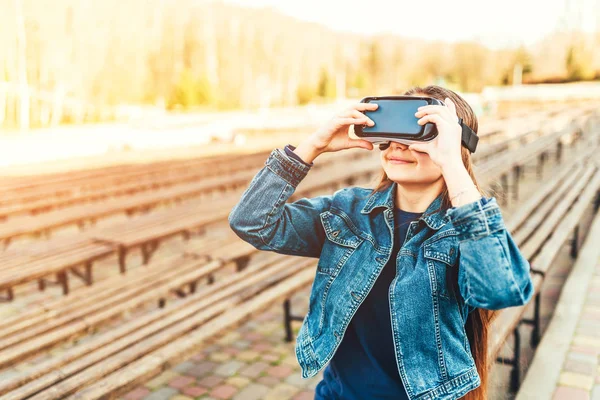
[(445, 149)]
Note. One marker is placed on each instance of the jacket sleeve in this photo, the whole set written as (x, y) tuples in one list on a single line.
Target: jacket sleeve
[(264, 219), (493, 274)]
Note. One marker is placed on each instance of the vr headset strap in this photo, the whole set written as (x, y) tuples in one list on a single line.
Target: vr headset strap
[(469, 138)]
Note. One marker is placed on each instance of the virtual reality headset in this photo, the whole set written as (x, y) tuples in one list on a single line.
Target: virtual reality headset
[(395, 121)]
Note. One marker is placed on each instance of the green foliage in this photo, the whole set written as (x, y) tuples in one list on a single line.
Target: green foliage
[(326, 87), (305, 94), (524, 58), (374, 63), (579, 63), (190, 91)]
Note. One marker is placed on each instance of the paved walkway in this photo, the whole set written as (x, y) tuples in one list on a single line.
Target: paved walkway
[(567, 362), (253, 362)]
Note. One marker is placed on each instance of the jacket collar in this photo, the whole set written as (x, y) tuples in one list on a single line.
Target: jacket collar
[(433, 217)]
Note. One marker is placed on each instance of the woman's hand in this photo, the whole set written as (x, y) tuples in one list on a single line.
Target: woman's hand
[(445, 149), (333, 135)]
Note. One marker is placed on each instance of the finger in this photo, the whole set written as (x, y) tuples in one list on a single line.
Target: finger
[(434, 109), (433, 118), (365, 144), (451, 107), (350, 121), (365, 106), (421, 148), (359, 115)]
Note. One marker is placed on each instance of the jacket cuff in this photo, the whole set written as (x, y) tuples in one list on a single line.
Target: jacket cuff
[(289, 150), (476, 219), (286, 167)]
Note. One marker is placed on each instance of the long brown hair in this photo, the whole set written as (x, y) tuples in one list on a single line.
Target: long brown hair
[(479, 320)]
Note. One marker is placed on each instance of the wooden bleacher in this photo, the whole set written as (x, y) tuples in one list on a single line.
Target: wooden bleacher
[(115, 360)]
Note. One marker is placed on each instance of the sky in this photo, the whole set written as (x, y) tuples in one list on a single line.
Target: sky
[(505, 23)]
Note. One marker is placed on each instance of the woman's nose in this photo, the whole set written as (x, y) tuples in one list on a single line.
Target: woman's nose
[(400, 146)]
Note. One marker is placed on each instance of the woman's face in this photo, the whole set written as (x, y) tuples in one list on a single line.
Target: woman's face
[(406, 166)]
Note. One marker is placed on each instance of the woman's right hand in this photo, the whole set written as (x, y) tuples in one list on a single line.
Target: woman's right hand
[(333, 135)]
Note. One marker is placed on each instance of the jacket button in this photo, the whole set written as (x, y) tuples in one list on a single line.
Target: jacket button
[(334, 234), (356, 296), (380, 260), (452, 251)]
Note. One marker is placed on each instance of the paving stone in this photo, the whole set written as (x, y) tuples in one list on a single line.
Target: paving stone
[(580, 367), (262, 346), (247, 355), (184, 367), (585, 349), (161, 379), (232, 350), (253, 370), (164, 393), (211, 348), (314, 381), (268, 380), (194, 391), (238, 381), (210, 381), (181, 381), (199, 357), (229, 338), (575, 380), (253, 391), (219, 356), (137, 393), (596, 392), (588, 341), (252, 336), (569, 393), (291, 361), (284, 349), (304, 395), (590, 324), (283, 391), (202, 369), (582, 357), (280, 371), (242, 344), (271, 358), (586, 330), (229, 368), (296, 380), (224, 391)]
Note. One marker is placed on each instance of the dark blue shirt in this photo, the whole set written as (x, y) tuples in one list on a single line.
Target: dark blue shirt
[(364, 366)]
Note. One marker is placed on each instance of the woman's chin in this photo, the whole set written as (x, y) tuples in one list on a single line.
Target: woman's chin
[(403, 177)]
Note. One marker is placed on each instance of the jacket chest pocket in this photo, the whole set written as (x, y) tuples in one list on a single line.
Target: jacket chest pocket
[(342, 240), (442, 262)]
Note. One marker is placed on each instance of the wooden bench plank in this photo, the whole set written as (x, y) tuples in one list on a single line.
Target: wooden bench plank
[(161, 326)]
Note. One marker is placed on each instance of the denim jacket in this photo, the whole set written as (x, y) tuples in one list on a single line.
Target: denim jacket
[(350, 233)]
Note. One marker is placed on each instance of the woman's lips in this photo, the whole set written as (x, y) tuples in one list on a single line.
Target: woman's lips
[(398, 161)]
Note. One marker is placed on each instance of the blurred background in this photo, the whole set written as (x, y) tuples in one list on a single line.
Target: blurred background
[(130, 128), (154, 64)]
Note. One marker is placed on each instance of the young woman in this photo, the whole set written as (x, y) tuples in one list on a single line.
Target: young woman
[(409, 272)]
